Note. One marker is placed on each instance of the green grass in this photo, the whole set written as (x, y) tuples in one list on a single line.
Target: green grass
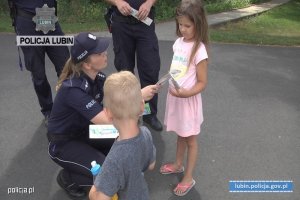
[(84, 26), (87, 15), (68, 27), (5, 24), (216, 6), (279, 26), (81, 15)]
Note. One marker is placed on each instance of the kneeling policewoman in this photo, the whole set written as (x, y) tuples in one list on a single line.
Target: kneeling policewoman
[(78, 103)]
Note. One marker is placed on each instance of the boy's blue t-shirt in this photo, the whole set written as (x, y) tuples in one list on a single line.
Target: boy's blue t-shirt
[(122, 170)]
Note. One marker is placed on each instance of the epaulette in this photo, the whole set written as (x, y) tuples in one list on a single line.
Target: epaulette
[(78, 82), (101, 75)]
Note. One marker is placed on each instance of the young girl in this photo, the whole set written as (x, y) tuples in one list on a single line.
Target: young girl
[(184, 105)]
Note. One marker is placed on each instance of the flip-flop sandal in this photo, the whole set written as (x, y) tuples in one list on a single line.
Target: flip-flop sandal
[(169, 169), (185, 188)]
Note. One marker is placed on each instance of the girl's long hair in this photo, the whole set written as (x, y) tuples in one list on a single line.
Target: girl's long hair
[(194, 11), (70, 69)]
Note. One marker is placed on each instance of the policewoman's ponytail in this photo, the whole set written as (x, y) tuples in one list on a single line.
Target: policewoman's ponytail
[(70, 70)]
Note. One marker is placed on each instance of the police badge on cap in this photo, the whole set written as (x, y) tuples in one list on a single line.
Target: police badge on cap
[(86, 44)]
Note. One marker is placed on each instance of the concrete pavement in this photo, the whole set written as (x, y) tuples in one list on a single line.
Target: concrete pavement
[(251, 128), (250, 131)]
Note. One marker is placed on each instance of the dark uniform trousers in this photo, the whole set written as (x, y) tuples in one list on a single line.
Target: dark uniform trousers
[(34, 57), (132, 41), (75, 157)]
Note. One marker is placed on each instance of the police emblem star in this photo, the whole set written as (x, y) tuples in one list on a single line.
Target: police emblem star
[(45, 19)]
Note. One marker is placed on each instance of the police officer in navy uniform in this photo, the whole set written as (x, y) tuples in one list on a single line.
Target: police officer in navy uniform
[(134, 40), (22, 12), (78, 103)]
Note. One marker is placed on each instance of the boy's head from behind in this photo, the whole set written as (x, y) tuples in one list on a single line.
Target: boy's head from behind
[(122, 95)]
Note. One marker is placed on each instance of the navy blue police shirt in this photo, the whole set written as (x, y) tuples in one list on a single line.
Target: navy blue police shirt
[(30, 5), (78, 100), (135, 3)]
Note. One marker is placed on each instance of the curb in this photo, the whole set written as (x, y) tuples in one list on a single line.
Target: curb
[(215, 20)]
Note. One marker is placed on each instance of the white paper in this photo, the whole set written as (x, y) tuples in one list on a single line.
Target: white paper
[(164, 79), (103, 131), (176, 85), (147, 21)]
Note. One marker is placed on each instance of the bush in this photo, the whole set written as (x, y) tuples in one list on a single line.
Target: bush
[(165, 9), (4, 7), (80, 10), (93, 10)]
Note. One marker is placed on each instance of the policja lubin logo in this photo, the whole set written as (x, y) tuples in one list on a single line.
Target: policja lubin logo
[(45, 20)]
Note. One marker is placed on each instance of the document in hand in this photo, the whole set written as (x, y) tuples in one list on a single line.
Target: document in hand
[(102, 131), (146, 21), (166, 78), (176, 85)]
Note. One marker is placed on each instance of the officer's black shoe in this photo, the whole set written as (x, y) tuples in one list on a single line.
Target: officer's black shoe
[(153, 122), (74, 191)]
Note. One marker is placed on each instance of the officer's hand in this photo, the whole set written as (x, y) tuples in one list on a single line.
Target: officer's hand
[(123, 7), (149, 91), (102, 118), (144, 10)]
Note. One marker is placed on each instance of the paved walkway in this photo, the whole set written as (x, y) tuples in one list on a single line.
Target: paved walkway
[(251, 129), (166, 30)]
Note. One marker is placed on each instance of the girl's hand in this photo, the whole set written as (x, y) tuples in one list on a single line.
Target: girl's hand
[(201, 70), (181, 92), (149, 91)]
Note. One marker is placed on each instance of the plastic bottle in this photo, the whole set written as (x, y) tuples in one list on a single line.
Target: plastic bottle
[(96, 168)]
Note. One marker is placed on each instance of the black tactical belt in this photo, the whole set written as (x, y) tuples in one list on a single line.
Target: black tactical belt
[(125, 19), (25, 14)]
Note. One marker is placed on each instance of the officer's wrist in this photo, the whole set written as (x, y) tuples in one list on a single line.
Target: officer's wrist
[(116, 2), (151, 2), (113, 2)]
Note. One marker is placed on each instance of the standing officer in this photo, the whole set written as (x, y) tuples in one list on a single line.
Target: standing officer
[(131, 38), (22, 13)]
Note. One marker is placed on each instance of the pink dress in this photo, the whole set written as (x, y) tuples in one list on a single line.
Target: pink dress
[(184, 115)]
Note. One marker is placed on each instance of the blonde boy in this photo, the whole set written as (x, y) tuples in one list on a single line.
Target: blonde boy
[(133, 152)]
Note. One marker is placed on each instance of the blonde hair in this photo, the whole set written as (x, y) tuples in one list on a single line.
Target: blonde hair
[(194, 11), (122, 95), (70, 69)]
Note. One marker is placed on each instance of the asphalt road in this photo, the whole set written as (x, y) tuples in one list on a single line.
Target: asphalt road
[(251, 128)]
